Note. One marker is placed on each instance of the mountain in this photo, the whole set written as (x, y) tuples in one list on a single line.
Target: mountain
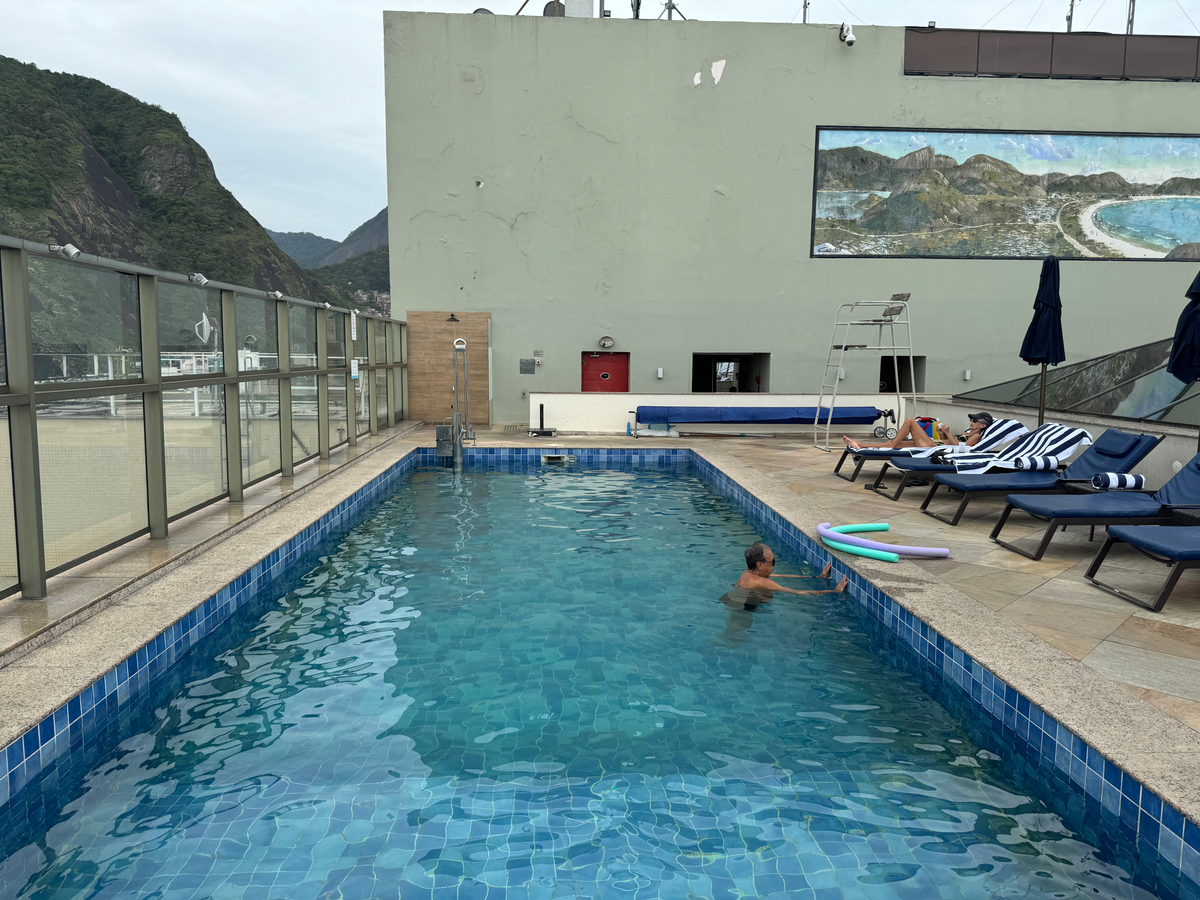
[(854, 169), (304, 247), (983, 174), (365, 272), (367, 236), (1189, 186), (1104, 183), (84, 163), (925, 199)]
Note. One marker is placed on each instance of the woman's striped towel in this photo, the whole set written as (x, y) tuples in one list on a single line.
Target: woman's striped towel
[(1035, 463), (996, 435), (1111, 481), (1058, 441)]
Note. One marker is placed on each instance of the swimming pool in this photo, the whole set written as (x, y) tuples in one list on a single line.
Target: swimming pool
[(536, 684)]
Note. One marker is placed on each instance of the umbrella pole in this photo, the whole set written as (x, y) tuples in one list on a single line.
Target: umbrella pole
[(1042, 398)]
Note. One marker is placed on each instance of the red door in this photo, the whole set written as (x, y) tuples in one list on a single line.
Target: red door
[(605, 372)]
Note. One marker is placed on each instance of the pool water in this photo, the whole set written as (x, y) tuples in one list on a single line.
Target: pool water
[(538, 685)]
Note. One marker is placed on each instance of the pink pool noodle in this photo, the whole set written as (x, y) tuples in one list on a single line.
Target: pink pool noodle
[(825, 531)]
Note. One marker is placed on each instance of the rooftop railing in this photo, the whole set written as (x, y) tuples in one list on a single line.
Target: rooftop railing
[(1032, 54), (131, 397)]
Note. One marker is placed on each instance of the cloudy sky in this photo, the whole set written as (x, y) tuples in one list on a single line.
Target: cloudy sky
[(287, 97), (1148, 160)]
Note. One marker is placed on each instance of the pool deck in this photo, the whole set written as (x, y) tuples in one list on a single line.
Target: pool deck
[(1125, 679)]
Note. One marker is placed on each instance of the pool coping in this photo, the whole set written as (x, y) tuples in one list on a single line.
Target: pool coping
[(64, 690)]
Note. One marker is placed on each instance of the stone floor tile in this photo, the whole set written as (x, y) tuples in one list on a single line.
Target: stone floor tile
[(1146, 668), (1161, 637), (1030, 611)]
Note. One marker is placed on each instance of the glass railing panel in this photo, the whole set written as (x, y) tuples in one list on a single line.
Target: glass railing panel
[(306, 426), (85, 323), (397, 341), (338, 429), (380, 343), (189, 330), (194, 431), (8, 529), (398, 392), (92, 456), (1136, 399), (359, 342), (381, 401), (302, 327), (335, 339), (362, 410), (1186, 413), (1005, 392), (3, 358), (258, 334), (258, 412)]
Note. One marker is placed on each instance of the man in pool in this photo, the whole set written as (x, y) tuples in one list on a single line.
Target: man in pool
[(911, 434), (760, 566)]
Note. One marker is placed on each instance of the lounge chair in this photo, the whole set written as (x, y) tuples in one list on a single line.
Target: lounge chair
[(1048, 439), (916, 459), (1114, 451), (1177, 545), (1105, 508)]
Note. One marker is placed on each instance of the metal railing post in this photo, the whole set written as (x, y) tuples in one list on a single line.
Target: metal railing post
[(233, 423), (152, 408), (389, 334), (284, 343), (22, 423), (323, 424), (372, 399)]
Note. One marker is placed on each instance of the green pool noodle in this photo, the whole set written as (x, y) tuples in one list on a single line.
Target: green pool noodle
[(862, 551), (850, 529)]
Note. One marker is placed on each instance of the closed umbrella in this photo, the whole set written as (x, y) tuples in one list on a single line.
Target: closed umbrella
[(1184, 362), (1044, 339)]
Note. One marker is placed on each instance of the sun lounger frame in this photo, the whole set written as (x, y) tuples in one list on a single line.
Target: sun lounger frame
[(1155, 603)]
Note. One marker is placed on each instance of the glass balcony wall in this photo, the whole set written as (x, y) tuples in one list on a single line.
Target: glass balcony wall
[(1129, 384), (91, 441), (85, 323)]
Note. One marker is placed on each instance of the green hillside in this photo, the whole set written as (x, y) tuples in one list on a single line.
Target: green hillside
[(83, 163), (365, 272), (304, 247)]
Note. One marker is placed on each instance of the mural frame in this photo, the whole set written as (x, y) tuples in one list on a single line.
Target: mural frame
[(818, 130)]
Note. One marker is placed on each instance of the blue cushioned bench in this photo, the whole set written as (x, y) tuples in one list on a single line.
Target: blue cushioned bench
[(756, 415)]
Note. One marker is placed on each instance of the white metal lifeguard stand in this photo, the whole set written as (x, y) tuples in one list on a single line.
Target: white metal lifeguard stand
[(885, 316)]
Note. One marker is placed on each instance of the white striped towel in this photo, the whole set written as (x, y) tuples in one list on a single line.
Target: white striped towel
[(1058, 441), (996, 435), (1111, 481), (1035, 463)]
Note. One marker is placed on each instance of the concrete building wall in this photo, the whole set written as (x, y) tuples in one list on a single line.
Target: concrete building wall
[(569, 177)]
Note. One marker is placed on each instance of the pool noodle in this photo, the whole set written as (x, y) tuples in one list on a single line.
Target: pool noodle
[(862, 551), (846, 538)]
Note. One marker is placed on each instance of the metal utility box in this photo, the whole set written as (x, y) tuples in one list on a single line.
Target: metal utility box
[(445, 440)]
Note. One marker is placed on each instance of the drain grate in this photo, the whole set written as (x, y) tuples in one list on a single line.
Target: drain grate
[(515, 429)]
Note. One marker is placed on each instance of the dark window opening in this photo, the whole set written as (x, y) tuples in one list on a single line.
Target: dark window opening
[(887, 374), (731, 373)]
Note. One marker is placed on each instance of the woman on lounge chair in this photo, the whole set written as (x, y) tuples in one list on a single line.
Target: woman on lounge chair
[(911, 434)]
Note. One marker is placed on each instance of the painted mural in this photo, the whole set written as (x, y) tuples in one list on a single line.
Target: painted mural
[(1005, 195)]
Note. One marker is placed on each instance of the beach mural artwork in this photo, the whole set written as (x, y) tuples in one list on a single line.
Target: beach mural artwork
[(1005, 195)]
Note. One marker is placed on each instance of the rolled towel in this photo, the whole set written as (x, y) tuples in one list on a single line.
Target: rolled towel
[(1111, 481), (1035, 463)]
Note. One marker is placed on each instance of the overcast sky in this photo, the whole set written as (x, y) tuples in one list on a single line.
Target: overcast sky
[(287, 95)]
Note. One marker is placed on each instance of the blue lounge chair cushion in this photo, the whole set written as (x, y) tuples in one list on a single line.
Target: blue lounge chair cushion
[(1114, 451), (880, 453), (921, 464), (1108, 505), (1184, 487), (1171, 541), (1000, 481)]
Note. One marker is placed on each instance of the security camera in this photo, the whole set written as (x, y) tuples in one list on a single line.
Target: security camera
[(847, 35), (275, 295), (326, 304), (70, 251), (197, 278)]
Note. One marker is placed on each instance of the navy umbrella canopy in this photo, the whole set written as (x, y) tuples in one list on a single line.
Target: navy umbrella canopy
[(1043, 344), (1184, 362)]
